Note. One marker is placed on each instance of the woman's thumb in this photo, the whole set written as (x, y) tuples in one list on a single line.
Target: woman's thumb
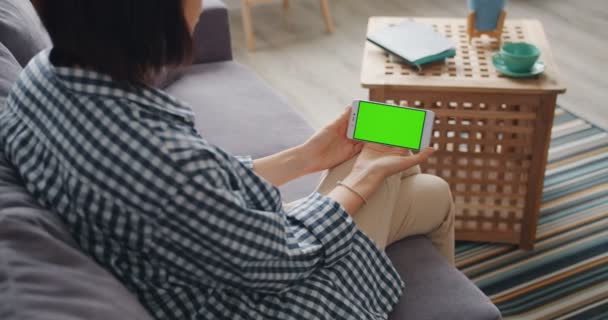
[(423, 155)]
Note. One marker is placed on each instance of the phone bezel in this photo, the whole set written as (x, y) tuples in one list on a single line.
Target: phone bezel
[(427, 131)]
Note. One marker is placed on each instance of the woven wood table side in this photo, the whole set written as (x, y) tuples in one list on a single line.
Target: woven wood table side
[(491, 132)]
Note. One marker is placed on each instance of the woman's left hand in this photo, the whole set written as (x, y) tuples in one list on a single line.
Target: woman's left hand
[(329, 146)]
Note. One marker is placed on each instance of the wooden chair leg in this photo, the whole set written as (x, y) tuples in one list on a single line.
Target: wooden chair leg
[(248, 24), (329, 23), (285, 4)]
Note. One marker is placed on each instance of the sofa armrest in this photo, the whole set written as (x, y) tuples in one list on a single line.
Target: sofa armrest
[(433, 288), (212, 34)]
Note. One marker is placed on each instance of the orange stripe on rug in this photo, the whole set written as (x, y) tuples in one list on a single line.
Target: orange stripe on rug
[(571, 226), (551, 280), (576, 158)]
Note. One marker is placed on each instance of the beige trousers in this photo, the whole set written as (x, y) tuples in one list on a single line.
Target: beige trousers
[(408, 203)]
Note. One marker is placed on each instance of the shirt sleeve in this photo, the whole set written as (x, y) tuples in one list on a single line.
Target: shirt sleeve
[(221, 237), (246, 161), (327, 221)]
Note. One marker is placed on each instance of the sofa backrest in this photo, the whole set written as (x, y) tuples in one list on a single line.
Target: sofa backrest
[(9, 71), (21, 31)]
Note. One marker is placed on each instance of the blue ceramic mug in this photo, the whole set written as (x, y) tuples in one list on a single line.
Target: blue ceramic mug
[(487, 13)]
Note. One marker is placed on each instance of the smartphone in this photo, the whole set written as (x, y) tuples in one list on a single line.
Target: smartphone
[(391, 125)]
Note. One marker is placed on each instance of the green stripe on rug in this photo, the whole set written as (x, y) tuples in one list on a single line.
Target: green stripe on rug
[(566, 276)]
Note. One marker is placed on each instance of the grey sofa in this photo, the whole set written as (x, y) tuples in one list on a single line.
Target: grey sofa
[(43, 274)]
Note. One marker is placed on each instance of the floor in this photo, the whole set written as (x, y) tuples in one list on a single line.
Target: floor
[(319, 73)]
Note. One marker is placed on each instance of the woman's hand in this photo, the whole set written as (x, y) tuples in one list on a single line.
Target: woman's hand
[(329, 146), (374, 164), (386, 161)]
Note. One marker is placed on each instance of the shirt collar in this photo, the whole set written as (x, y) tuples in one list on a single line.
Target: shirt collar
[(94, 83)]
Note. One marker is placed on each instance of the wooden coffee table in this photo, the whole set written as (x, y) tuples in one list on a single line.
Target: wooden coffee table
[(491, 132)]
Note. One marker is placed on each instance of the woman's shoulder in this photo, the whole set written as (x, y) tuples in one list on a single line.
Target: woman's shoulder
[(33, 83), (74, 109), (44, 91)]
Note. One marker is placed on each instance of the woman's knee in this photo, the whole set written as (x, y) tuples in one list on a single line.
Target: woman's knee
[(435, 191)]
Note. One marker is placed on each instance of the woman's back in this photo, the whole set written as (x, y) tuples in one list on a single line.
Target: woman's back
[(189, 229)]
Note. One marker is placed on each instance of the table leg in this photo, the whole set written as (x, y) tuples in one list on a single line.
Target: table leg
[(542, 139), (329, 23), (248, 24)]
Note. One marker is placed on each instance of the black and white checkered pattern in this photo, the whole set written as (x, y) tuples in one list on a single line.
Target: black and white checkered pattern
[(189, 229)]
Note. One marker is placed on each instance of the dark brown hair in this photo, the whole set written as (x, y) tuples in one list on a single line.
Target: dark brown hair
[(130, 40)]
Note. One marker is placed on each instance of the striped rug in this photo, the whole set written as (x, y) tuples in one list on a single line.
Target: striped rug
[(566, 276)]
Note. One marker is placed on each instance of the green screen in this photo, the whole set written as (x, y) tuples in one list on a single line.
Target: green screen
[(390, 125)]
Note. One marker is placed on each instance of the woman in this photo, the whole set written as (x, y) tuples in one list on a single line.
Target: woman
[(194, 232)]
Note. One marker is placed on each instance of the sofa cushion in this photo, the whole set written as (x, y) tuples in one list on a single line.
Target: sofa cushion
[(21, 30), (9, 72), (43, 275), (239, 112), (433, 288)]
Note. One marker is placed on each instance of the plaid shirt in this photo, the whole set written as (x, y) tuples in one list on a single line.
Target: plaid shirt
[(189, 229)]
